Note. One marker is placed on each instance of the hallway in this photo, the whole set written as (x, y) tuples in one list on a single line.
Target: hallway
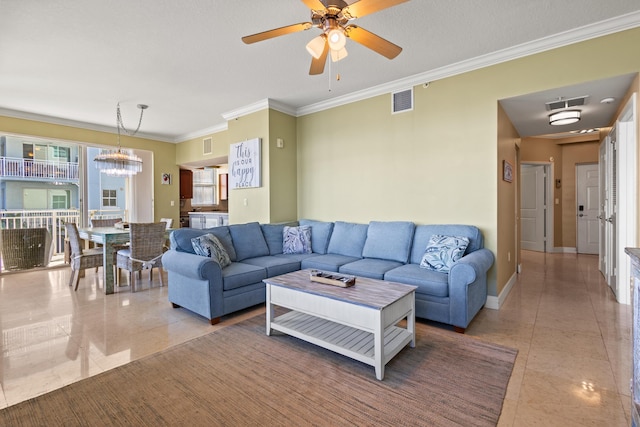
[(573, 367)]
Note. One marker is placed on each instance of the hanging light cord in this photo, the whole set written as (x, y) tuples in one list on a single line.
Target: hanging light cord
[(120, 125)]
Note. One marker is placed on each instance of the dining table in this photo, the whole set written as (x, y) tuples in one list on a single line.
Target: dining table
[(108, 237)]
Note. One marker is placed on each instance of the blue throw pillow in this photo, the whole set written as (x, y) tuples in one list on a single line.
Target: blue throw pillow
[(443, 251), (208, 245), (296, 240)]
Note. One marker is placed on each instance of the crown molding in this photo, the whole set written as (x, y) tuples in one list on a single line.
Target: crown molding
[(200, 133), (599, 29), (76, 124), (259, 106)]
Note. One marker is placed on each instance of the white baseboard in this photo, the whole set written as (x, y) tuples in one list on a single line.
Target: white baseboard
[(495, 303), (564, 250)]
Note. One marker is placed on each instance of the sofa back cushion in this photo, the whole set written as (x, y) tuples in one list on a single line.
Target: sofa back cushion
[(423, 234), (320, 234), (248, 241), (389, 240), (181, 239), (347, 239), (273, 236)]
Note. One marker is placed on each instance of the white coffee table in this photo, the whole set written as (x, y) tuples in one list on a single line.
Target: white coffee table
[(360, 321)]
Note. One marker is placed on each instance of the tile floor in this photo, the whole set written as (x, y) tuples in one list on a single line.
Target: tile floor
[(573, 366)]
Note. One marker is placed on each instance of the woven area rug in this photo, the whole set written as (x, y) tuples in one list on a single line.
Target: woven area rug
[(238, 376)]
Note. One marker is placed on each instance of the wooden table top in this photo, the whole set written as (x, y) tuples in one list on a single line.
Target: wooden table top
[(366, 292)]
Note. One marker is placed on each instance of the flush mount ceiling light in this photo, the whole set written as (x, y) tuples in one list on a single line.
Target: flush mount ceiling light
[(120, 162), (565, 117)]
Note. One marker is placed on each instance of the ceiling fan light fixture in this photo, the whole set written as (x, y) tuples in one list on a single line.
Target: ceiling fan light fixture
[(336, 38), (316, 46), (565, 117), (337, 55)]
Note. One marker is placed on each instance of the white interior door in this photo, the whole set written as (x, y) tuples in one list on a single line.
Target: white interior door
[(588, 200), (532, 207), (626, 218), (610, 210), (602, 214)]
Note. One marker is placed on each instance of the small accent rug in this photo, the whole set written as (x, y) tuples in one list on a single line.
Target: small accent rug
[(239, 376)]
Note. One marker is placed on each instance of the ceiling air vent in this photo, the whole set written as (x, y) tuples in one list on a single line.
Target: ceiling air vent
[(567, 103), (207, 146), (402, 101)]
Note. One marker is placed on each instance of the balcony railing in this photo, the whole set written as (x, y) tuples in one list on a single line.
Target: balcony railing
[(53, 220), (12, 167)]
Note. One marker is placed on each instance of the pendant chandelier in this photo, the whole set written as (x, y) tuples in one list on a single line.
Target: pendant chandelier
[(121, 162)]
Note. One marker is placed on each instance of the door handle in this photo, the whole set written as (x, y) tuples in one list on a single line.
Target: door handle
[(580, 215), (610, 219)]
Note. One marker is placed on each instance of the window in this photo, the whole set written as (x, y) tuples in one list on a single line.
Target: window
[(61, 154), (109, 198), (58, 201), (204, 187)]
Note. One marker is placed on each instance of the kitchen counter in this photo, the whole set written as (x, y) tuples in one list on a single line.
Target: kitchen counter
[(208, 219)]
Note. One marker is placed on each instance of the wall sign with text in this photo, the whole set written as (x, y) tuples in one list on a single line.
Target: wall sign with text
[(244, 164)]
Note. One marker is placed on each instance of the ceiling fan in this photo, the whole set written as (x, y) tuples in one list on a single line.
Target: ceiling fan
[(334, 18)]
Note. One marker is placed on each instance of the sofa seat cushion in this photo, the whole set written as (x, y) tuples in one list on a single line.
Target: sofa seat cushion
[(296, 257), (320, 234), (248, 240), (428, 281), (274, 265), (239, 274), (369, 267), (328, 262)]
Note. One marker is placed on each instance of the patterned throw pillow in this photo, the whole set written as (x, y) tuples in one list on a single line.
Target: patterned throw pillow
[(443, 251), (296, 240), (208, 245)]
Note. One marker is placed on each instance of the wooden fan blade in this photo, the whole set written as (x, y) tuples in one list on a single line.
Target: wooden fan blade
[(317, 65), (265, 35), (367, 7), (314, 4), (372, 41)]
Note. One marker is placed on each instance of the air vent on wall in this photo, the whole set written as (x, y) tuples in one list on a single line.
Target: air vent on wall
[(567, 103), (207, 146), (402, 101)]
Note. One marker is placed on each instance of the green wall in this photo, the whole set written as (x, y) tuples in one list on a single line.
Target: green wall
[(440, 162)]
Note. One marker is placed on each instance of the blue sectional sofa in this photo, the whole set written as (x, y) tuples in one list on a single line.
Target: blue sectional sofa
[(385, 250)]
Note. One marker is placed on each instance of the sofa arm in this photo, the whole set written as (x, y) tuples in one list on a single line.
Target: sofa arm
[(192, 266), (471, 266), (468, 286)]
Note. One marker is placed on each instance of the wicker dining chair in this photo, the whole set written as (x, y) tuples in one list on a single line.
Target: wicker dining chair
[(168, 221), (81, 259), (25, 248), (108, 222), (147, 244)]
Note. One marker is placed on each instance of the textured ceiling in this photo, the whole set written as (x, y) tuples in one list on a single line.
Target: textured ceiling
[(70, 60)]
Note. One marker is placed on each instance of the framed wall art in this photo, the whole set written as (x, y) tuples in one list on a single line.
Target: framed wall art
[(507, 171), (244, 164)]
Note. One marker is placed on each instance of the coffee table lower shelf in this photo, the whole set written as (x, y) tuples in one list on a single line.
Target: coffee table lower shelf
[(346, 340)]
